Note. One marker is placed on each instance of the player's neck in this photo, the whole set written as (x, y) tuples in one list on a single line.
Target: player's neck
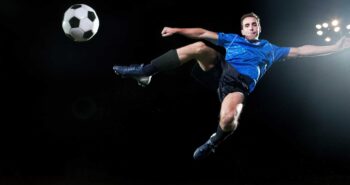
[(253, 40)]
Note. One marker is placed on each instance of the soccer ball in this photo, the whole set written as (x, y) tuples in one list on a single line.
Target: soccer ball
[(80, 22)]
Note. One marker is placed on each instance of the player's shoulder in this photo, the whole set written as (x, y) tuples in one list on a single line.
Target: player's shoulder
[(228, 36)]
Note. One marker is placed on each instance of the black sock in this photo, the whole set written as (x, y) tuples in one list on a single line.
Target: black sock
[(167, 61), (220, 136)]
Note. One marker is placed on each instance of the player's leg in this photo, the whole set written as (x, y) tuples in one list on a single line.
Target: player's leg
[(230, 111), (204, 55), (231, 108), (175, 58), (232, 89), (170, 60)]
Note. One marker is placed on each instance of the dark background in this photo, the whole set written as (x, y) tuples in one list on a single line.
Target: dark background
[(66, 118)]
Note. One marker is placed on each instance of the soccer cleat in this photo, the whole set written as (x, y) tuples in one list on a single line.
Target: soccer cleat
[(133, 71), (143, 81), (205, 150)]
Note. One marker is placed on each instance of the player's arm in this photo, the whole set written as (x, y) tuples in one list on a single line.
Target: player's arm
[(311, 50), (194, 33)]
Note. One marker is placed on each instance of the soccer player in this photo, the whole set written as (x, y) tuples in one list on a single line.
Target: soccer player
[(234, 75)]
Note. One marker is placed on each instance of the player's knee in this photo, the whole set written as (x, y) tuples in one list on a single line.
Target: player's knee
[(228, 122), (200, 47)]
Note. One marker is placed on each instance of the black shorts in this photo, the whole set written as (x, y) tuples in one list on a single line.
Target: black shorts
[(222, 78)]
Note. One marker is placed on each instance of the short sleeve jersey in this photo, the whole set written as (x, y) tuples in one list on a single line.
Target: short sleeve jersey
[(250, 58)]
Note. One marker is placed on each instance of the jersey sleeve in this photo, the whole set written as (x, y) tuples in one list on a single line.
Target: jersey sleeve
[(279, 53), (225, 40)]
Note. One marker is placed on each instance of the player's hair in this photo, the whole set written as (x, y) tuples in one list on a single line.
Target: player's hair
[(251, 14)]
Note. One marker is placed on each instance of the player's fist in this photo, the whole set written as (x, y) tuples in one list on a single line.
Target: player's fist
[(167, 31)]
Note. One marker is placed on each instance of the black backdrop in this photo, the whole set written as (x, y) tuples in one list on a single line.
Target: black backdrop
[(67, 118)]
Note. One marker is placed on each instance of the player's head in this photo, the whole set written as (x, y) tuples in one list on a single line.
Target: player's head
[(250, 26)]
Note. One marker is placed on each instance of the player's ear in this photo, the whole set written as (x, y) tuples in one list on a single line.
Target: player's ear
[(260, 29)]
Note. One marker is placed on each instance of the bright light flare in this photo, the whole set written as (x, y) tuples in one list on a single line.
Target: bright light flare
[(337, 29), (318, 26), (335, 22)]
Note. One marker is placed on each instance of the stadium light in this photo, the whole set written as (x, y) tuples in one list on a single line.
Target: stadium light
[(335, 22), (337, 29), (325, 25)]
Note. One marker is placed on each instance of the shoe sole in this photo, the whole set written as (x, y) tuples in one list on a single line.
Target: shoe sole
[(141, 81)]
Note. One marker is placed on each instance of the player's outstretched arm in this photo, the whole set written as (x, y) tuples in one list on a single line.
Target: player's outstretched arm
[(311, 50), (194, 33)]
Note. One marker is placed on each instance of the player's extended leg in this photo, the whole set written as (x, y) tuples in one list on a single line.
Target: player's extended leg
[(204, 55), (169, 60), (231, 108)]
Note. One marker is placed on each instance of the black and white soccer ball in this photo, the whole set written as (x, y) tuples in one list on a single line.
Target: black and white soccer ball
[(80, 22)]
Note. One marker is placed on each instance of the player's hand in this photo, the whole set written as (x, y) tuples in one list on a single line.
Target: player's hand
[(167, 31), (343, 43)]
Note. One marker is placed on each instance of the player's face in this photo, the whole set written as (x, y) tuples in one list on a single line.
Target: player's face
[(250, 28)]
